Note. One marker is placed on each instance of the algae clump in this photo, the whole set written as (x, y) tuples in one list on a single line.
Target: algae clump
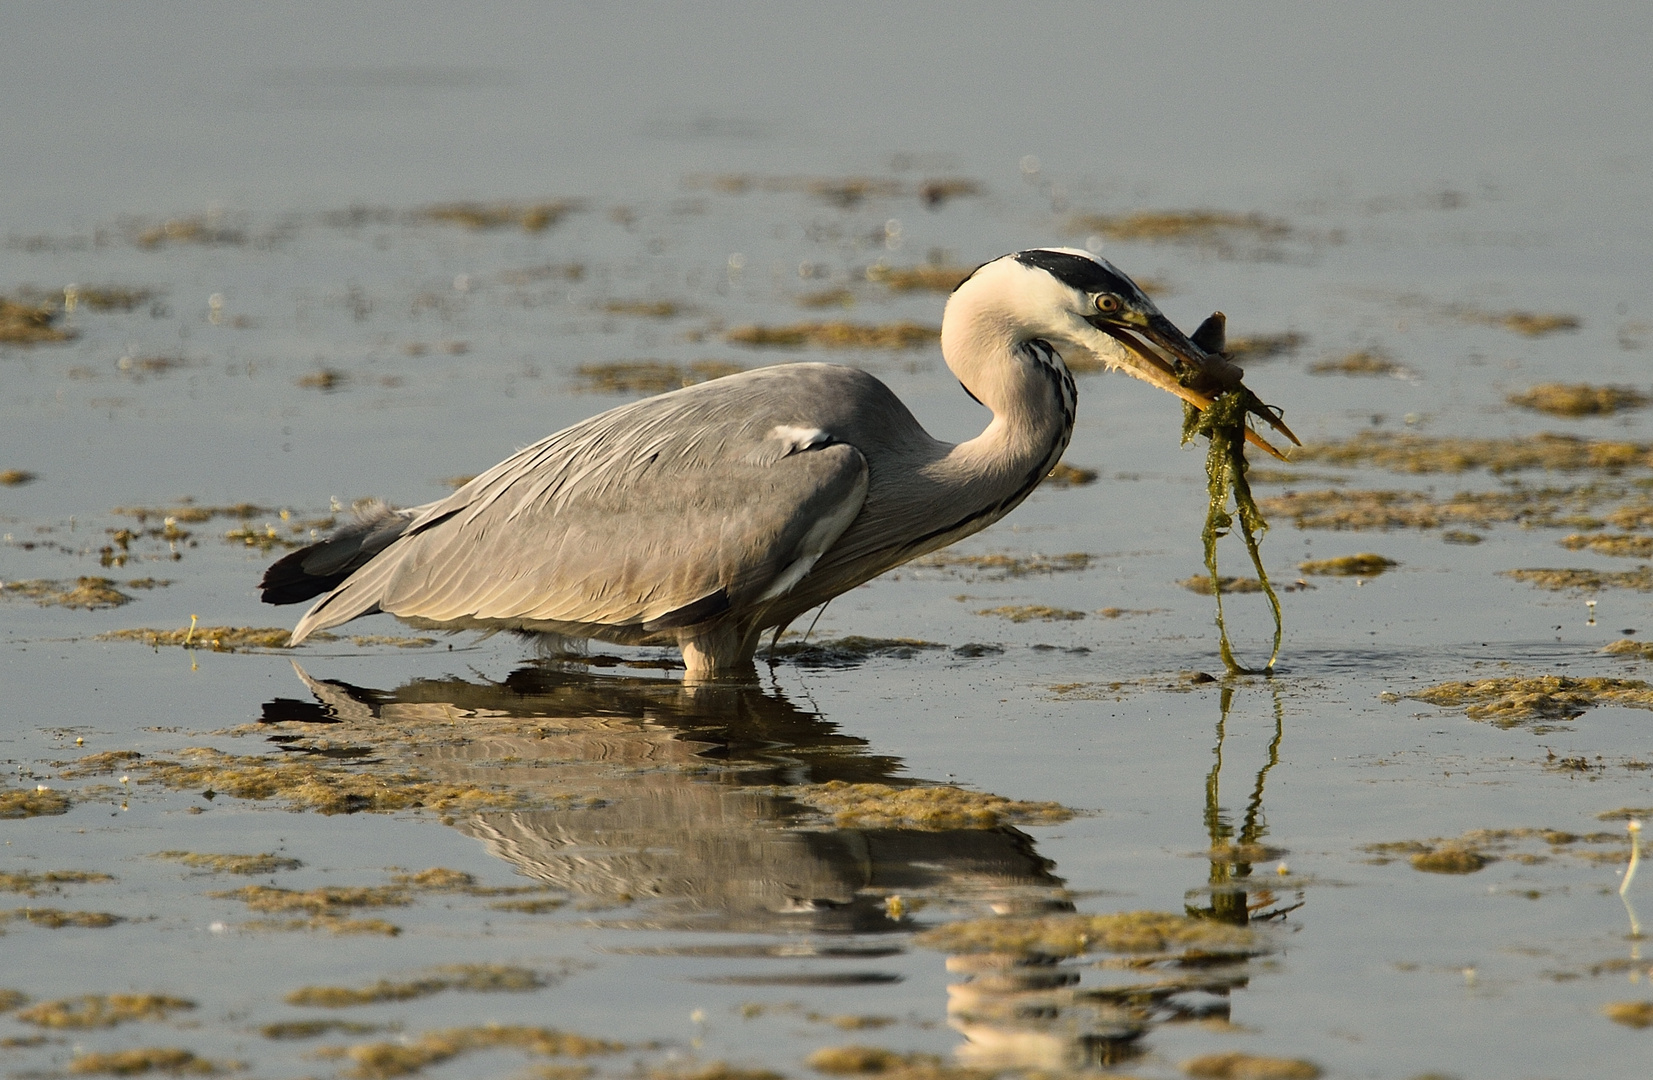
[(1224, 425), (1578, 399), (648, 376), (147, 1059), (40, 802), (381, 1060), (231, 864), (1021, 613), (30, 324), (1557, 580), (837, 335), (1237, 1066), (103, 1010), (1619, 545), (1069, 935), (1511, 699), (1636, 1014), (880, 806), (56, 919), (1366, 564)]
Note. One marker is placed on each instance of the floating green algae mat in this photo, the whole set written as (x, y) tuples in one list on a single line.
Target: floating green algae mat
[(142, 1060), (36, 802), (1587, 506), (1204, 227), (1234, 1065), (1619, 545), (30, 324), (86, 594), (648, 376), (529, 217), (1511, 699), (837, 335), (1560, 580), (57, 918), (1021, 613), (51, 881), (1065, 476), (1408, 452), (1365, 564), (382, 1060), (478, 978), (1066, 935), (999, 565), (1363, 363), (889, 1064), (1578, 399), (213, 638), (880, 806), (103, 1010)]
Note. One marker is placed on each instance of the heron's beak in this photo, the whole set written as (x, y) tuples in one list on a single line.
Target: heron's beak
[(1211, 375)]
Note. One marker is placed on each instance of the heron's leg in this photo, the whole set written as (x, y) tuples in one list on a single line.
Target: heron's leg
[(720, 649)]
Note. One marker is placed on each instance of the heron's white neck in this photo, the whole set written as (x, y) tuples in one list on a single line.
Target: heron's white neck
[(1019, 377)]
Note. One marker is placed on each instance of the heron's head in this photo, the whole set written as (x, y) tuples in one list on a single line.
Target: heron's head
[(1081, 303)]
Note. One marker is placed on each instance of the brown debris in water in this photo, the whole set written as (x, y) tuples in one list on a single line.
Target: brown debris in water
[(147, 1059), (851, 650), (1407, 452), (50, 881), (1201, 583), (190, 513), (1640, 650), (383, 1060), (1066, 476), (226, 639), (12, 999), (1620, 545), (316, 785), (100, 764), (929, 277), (1362, 510), (437, 879), (940, 807), (998, 566), (57, 919), (30, 324), (324, 379), (1579, 399), (310, 1029), (1526, 323), (1210, 228), (648, 309), (1366, 564), (1558, 580), (251, 865), (110, 297), (837, 335), (648, 376), (1636, 1014), (36, 802), (1362, 363), (1021, 613), (1068, 935), (87, 593), (1257, 347), (16, 477), (889, 1064), (529, 217), (323, 901), (1234, 1065), (827, 298), (103, 1010), (478, 978), (190, 230), (1449, 859), (1512, 699)]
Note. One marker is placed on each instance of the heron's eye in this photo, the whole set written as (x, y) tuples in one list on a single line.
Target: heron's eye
[(1107, 302)]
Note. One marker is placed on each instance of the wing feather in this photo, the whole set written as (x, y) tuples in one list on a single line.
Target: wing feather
[(632, 517)]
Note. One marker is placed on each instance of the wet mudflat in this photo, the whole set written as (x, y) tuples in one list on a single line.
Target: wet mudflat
[(1000, 812)]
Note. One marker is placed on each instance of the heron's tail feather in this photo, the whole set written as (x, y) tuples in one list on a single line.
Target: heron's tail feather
[(323, 567)]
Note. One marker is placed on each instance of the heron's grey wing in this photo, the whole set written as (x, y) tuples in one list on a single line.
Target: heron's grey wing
[(655, 515)]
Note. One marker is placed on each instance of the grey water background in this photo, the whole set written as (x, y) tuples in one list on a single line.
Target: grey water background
[(1490, 155)]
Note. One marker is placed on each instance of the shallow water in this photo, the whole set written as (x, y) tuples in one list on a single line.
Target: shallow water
[(1433, 171)]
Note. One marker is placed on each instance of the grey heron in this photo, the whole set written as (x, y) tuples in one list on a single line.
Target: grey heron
[(702, 517)]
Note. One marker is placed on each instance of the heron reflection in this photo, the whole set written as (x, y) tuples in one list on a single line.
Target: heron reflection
[(674, 798), (669, 808)]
